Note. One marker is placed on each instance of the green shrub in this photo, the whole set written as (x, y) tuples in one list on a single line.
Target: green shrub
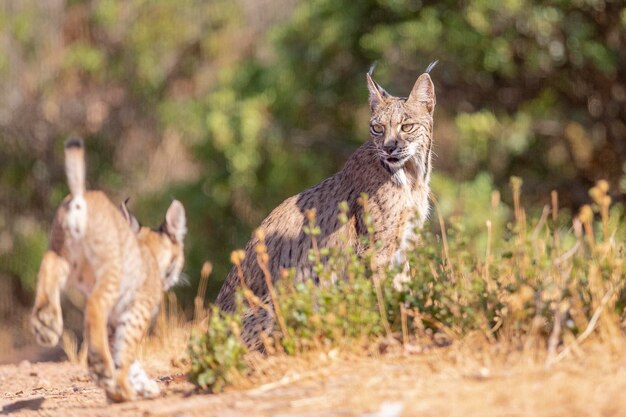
[(217, 356)]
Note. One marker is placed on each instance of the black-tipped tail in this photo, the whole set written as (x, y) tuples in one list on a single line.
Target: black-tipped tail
[(74, 142), (75, 165)]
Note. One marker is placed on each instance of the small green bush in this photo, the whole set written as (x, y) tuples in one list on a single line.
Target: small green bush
[(217, 356)]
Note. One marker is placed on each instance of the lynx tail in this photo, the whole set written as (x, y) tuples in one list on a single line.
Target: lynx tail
[(76, 219), (75, 166)]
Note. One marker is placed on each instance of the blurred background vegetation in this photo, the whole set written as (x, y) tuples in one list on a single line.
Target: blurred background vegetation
[(232, 106)]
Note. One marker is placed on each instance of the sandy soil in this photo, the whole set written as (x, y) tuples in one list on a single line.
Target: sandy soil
[(439, 383)]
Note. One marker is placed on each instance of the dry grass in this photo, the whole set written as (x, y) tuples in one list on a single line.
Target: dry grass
[(473, 376)]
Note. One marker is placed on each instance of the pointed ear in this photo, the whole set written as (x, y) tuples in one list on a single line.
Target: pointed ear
[(377, 93), (423, 93), (129, 217), (176, 221)]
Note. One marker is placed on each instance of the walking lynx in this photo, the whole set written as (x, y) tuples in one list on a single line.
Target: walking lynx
[(121, 267), (393, 168)]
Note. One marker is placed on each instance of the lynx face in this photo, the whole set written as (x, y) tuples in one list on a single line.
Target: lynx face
[(400, 127), (167, 251), (165, 243)]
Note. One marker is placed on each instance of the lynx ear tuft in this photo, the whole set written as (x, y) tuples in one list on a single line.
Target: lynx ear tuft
[(129, 217), (176, 221), (430, 66), (377, 93), (423, 93)]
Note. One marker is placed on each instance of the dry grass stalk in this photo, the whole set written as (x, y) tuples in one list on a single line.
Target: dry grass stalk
[(363, 202), (263, 261), (199, 312), (554, 197), (588, 331), (70, 345)]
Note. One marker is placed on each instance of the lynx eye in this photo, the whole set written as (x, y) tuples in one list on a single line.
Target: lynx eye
[(377, 129), (407, 127)]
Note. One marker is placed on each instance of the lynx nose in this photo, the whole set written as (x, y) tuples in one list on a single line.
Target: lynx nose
[(390, 147)]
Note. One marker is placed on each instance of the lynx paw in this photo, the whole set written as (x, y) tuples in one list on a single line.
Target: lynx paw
[(100, 372), (47, 325), (120, 392), (141, 382)]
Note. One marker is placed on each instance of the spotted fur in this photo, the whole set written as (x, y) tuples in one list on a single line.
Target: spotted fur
[(393, 168), (122, 271)]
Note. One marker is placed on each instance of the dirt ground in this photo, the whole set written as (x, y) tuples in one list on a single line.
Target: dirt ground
[(443, 382)]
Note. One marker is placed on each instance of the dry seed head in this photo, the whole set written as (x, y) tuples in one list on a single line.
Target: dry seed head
[(603, 185), (516, 183), (260, 234), (237, 256), (362, 200), (260, 248), (596, 194), (310, 214), (207, 268)]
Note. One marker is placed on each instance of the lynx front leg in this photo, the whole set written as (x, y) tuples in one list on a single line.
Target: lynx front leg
[(97, 310), (131, 379), (46, 319)]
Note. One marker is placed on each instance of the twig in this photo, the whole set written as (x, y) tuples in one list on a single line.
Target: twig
[(571, 252), (405, 327), (285, 380), (542, 221), (590, 327), (263, 260), (555, 336), (486, 276), (444, 236), (363, 200)]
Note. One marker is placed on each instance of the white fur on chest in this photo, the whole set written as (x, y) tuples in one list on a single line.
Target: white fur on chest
[(415, 218), (400, 179)]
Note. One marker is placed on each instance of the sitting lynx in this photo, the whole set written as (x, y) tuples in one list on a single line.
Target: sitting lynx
[(121, 267), (393, 168)]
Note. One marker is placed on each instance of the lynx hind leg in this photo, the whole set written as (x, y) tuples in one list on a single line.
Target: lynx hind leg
[(143, 385), (46, 318), (139, 381), (97, 310), (131, 379)]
